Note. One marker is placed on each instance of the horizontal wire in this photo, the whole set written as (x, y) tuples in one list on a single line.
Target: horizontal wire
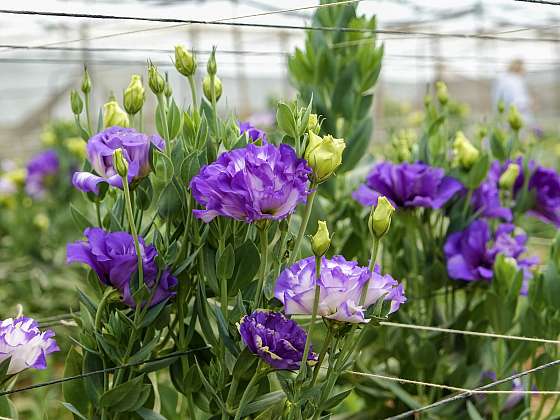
[(465, 332), (554, 3), (97, 372), (467, 394)]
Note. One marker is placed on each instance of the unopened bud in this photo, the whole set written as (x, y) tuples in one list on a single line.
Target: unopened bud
[(501, 106), (114, 115), (134, 95), (155, 80), (441, 92), (380, 217), (313, 123), (324, 155), (211, 66), (184, 61), (168, 91), (76, 102), (207, 87), (41, 221), (120, 163), (508, 178), (321, 241), (86, 82), (514, 118), (465, 153)]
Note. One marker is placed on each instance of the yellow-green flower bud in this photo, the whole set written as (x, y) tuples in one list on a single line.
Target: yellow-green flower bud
[(313, 123), (41, 221), (427, 100), (114, 115), (441, 92), (76, 146), (514, 118), (86, 82), (155, 80), (465, 153), (76, 102), (17, 176), (48, 137), (380, 217), (121, 165), (207, 87), (324, 155), (508, 178), (321, 241), (501, 106), (184, 61), (134, 95), (168, 91), (211, 66)]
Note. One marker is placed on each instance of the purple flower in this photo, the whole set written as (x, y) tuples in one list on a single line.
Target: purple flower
[(545, 183), (252, 183), (25, 345), (472, 252), (100, 149), (113, 257), (516, 385), (407, 185), (253, 132), (39, 168), (277, 340), (486, 198), (341, 285)]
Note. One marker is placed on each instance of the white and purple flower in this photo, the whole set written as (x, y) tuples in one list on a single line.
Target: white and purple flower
[(341, 285), (25, 345)]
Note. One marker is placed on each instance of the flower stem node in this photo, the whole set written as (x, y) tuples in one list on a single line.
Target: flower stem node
[(184, 61), (508, 178), (134, 95), (324, 155), (113, 115), (207, 87), (380, 217), (321, 241), (121, 165), (76, 102)]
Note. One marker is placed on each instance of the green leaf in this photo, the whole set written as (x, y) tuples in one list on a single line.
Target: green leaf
[(74, 391), (478, 172), (163, 167), (224, 333), (74, 410), (546, 379), (93, 384), (126, 391), (80, 220), (247, 259), (263, 402), (473, 412), (173, 120), (225, 263), (336, 399), (357, 145), (245, 364), (286, 120), (147, 414)]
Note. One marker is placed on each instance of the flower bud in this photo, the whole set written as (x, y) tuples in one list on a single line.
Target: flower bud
[(324, 155), (313, 123), (17, 176), (207, 87), (465, 153), (168, 91), (120, 163), (77, 146), (441, 92), (508, 178), (501, 106), (76, 102), (514, 118), (155, 80), (184, 61), (211, 66), (86, 82), (114, 115), (321, 241), (380, 217), (134, 95), (41, 221), (427, 100)]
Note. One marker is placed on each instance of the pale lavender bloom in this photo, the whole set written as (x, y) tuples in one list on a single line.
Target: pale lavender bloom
[(39, 169), (25, 345), (100, 149), (341, 285), (407, 185), (252, 183)]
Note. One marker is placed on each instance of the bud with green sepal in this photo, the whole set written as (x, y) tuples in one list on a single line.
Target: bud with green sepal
[(76, 102), (185, 62), (441, 92), (121, 165), (113, 115), (313, 124), (465, 154), (134, 95), (211, 65), (380, 217), (207, 87), (501, 106), (168, 91), (86, 82), (155, 80), (514, 118), (508, 178), (321, 241), (324, 155)]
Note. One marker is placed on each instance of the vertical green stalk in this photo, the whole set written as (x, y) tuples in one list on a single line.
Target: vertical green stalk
[(263, 233), (371, 267), (88, 113), (98, 213), (163, 106), (128, 205), (303, 365), (261, 372), (324, 350), (304, 222), (193, 92)]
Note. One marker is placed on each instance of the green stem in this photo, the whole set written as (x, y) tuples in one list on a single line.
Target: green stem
[(467, 202), (128, 205), (371, 267), (193, 92), (88, 113), (100, 309), (232, 392), (303, 366), (263, 232), (304, 222), (324, 351), (162, 104), (98, 213), (261, 373)]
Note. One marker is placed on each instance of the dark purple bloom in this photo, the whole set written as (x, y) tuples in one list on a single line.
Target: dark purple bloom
[(341, 285), (100, 149), (253, 132), (252, 183), (472, 252), (25, 345), (486, 198), (113, 257), (277, 340), (545, 183), (39, 168), (407, 185)]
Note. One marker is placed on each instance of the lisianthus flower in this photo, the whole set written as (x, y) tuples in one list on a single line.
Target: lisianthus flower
[(516, 385), (25, 345), (252, 183), (472, 252), (277, 340), (341, 285), (39, 168), (545, 183), (407, 185), (113, 258), (100, 149), (486, 198), (253, 132)]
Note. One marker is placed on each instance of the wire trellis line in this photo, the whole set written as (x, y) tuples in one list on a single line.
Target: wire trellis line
[(97, 372), (554, 3), (467, 394)]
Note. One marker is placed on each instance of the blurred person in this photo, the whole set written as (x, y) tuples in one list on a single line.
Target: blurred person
[(511, 88)]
